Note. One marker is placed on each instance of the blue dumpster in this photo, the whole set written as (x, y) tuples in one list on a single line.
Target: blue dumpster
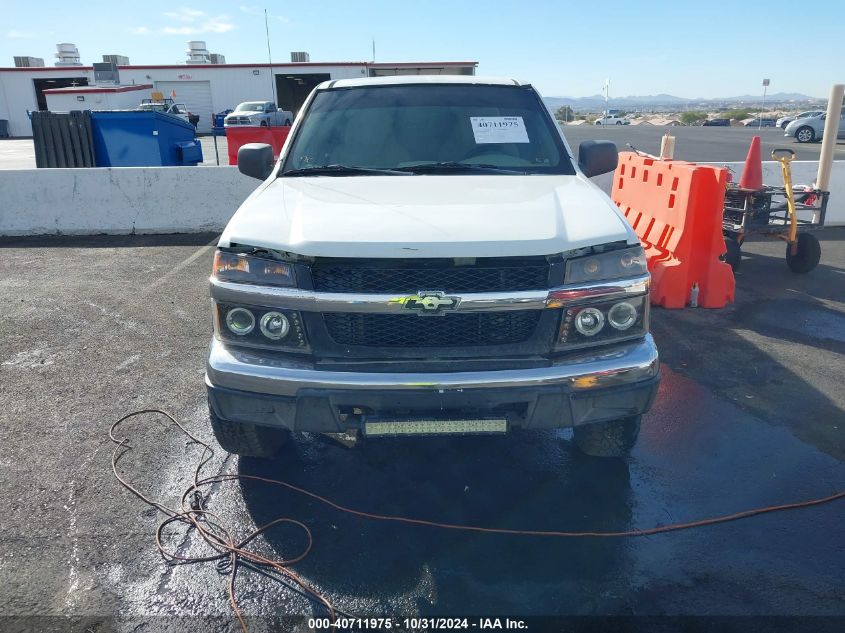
[(130, 138), (218, 121)]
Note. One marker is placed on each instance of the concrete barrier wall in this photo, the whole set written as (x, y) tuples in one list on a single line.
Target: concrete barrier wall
[(803, 173), (120, 200), (195, 199)]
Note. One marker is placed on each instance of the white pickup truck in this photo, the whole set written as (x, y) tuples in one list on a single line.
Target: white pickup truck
[(260, 113), (612, 119), (428, 257)]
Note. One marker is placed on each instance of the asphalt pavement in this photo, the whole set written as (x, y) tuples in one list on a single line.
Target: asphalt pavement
[(749, 413), (698, 143)]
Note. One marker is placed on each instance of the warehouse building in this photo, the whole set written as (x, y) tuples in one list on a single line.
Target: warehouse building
[(204, 87)]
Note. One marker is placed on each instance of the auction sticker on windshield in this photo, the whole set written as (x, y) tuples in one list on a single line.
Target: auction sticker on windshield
[(498, 129)]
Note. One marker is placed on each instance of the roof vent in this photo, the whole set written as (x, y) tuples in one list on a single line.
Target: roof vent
[(300, 57)]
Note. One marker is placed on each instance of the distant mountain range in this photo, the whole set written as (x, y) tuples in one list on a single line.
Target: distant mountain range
[(597, 101)]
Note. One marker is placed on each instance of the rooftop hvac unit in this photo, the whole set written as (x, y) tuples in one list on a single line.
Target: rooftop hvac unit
[(217, 58), (28, 62), (300, 57), (106, 73), (197, 52), (67, 55), (117, 60)]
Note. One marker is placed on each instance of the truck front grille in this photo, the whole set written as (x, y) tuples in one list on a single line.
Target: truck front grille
[(407, 276), (448, 330)]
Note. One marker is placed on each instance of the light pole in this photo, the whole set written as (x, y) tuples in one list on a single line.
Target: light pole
[(763, 105)]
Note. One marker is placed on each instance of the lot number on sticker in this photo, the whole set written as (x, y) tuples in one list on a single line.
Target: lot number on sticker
[(498, 129)]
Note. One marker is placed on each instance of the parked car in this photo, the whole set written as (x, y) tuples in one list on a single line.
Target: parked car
[(717, 123), (786, 120), (425, 259), (261, 113), (760, 123), (168, 106), (811, 128), (610, 119)]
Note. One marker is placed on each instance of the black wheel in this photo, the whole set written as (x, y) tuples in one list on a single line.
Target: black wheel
[(287, 122), (248, 439), (733, 254), (608, 439), (264, 124), (619, 123), (784, 124), (805, 134), (807, 254)]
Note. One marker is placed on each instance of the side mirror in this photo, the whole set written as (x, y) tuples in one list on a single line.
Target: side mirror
[(597, 157), (256, 160)]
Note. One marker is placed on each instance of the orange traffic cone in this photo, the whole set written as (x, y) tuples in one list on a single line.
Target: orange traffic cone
[(752, 173)]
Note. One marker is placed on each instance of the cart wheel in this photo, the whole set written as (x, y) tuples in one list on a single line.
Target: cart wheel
[(733, 254), (807, 254)]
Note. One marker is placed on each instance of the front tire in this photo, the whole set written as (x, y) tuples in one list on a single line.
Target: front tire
[(807, 254), (248, 440), (615, 438), (805, 134), (619, 123)]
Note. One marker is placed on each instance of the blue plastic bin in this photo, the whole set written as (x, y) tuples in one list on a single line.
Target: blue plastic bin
[(220, 118), (134, 138)]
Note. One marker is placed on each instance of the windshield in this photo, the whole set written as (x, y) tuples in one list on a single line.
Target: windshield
[(252, 106), (448, 126)]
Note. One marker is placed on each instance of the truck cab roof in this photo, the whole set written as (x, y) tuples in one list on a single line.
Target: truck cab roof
[(421, 80)]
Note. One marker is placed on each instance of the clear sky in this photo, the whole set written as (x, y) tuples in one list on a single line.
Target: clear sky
[(716, 49)]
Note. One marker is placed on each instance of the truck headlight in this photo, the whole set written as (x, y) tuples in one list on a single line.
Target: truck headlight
[(605, 322), (246, 269), (622, 315), (589, 321), (626, 262), (240, 321), (275, 325), (255, 326)]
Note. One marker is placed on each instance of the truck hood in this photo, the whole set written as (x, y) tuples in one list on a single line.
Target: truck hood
[(427, 216)]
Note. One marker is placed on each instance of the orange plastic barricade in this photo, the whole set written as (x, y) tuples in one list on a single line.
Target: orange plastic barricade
[(676, 210), (237, 136)]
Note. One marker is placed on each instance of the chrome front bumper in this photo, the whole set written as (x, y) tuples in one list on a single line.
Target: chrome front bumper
[(590, 386)]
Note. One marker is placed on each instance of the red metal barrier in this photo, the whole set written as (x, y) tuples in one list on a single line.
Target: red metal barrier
[(676, 210), (237, 136)]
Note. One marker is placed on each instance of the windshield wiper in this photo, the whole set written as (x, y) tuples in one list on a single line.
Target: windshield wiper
[(456, 166), (342, 170)]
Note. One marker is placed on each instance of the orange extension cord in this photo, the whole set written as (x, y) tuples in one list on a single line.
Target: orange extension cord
[(208, 525)]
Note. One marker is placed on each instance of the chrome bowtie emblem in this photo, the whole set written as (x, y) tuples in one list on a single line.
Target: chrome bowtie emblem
[(430, 302)]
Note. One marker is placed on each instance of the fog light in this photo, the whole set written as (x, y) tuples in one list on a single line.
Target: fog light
[(240, 321), (589, 321), (622, 316), (274, 325)]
